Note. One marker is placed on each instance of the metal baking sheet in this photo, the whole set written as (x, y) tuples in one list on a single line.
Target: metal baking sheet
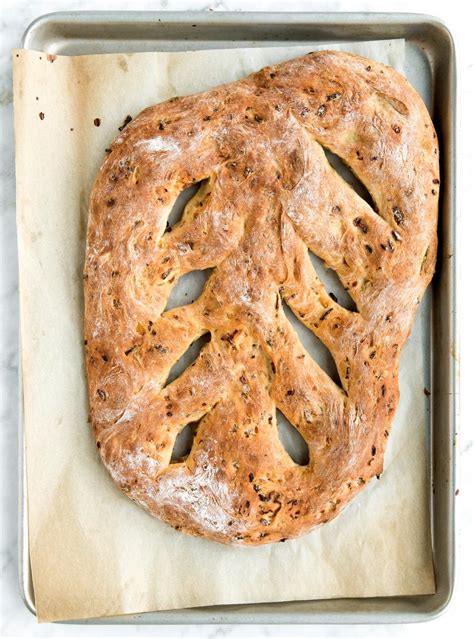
[(430, 66)]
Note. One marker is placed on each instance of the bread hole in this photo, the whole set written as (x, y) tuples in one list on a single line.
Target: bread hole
[(181, 201), (348, 176), (292, 441), (183, 443), (332, 283), (313, 346), (188, 358), (188, 288)]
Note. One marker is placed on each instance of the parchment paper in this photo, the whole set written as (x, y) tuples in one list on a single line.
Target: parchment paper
[(93, 551)]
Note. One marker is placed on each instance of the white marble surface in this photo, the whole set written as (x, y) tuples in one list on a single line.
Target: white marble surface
[(15, 620)]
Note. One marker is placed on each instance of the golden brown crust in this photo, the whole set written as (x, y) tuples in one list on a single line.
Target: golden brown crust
[(268, 196)]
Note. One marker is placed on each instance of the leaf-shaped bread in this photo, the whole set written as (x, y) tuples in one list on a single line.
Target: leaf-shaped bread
[(268, 197)]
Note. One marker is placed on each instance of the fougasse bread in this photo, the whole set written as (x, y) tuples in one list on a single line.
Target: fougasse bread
[(267, 197)]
